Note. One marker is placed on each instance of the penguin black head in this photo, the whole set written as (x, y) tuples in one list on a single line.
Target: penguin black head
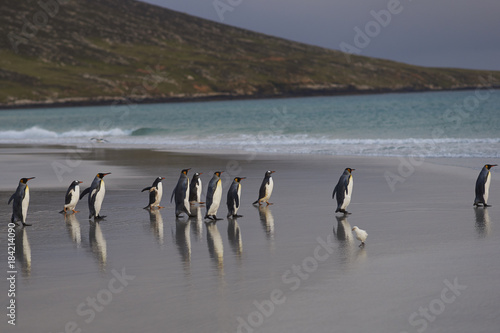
[(489, 166), (349, 169), (197, 175), (269, 173), (102, 174), (238, 179), (185, 171), (218, 173), (76, 182), (25, 180)]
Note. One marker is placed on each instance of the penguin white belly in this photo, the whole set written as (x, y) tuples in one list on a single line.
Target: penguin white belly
[(74, 198), (99, 198), (186, 199), (25, 204), (269, 190), (198, 190), (216, 199), (235, 206), (159, 194), (347, 196), (487, 188)]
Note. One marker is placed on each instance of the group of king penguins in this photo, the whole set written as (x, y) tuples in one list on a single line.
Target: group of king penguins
[(188, 192), (185, 194)]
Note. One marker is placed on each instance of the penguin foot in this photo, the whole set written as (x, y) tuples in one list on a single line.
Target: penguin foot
[(62, 211), (362, 244), (269, 203), (485, 205), (160, 207), (26, 225), (75, 211), (99, 218)]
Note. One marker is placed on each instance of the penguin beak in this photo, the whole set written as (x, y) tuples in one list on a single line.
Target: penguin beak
[(273, 171), (80, 182), (29, 178), (107, 173)]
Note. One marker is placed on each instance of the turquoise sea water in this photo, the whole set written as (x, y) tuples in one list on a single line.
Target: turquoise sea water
[(440, 124)]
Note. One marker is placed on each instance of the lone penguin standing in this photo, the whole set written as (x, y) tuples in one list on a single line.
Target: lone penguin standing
[(96, 193), (155, 193), (72, 197), (21, 202), (343, 190), (266, 189), (234, 198), (483, 186), (214, 196)]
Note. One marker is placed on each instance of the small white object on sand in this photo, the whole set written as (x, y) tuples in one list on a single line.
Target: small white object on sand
[(360, 235)]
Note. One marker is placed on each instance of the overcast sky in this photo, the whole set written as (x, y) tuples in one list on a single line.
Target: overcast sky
[(437, 33)]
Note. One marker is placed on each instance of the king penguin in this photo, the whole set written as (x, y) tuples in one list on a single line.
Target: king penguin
[(21, 202), (181, 194), (96, 193), (483, 186), (72, 197), (234, 198), (214, 195), (195, 188), (344, 191), (266, 189), (155, 193)]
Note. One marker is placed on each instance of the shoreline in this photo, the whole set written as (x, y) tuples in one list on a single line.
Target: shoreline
[(104, 101), (183, 266)]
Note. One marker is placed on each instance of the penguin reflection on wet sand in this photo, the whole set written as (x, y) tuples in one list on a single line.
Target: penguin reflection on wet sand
[(234, 197), (155, 193), (195, 189), (214, 196), (483, 186), (266, 189), (343, 190), (96, 193), (181, 194), (21, 202), (72, 197)]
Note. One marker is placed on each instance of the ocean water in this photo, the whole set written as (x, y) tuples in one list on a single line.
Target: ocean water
[(430, 124)]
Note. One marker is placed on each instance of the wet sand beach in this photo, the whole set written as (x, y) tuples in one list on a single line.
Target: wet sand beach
[(430, 262)]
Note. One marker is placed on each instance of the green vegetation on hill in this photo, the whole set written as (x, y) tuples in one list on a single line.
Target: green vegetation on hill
[(100, 51)]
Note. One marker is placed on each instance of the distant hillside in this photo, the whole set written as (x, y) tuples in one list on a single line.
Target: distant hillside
[(100, 51)]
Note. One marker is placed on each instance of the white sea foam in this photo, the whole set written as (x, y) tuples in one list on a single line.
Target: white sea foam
[(288, 144)]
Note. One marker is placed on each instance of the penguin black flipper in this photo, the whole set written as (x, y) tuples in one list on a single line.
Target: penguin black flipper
[(85, 192), (146, 188), (208, 203), (262, 190), (152, 195), (69, 195), (11, 198), (173, 194)]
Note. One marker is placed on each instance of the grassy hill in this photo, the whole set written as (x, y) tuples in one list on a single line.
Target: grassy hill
[(103, 51)]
